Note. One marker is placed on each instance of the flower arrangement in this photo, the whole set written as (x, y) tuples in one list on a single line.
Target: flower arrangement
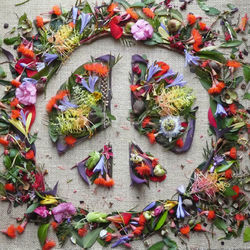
[(98, 167), (82, 105), (217, 191), (144, 167), (161, 104)]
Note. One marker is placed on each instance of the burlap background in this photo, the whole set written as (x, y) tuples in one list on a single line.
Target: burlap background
[(122, 196)]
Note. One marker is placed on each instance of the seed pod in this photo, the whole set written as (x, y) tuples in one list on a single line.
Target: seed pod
[(173, 25), (138, 107)]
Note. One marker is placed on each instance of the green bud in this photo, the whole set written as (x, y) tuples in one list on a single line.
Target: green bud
[(93, 159), (159, 170), (173, 25), (96, 217), (128, 27), (147, 215)]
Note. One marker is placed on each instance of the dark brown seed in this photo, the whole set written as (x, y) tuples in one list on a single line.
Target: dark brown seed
[(6, 25), (243, 86)]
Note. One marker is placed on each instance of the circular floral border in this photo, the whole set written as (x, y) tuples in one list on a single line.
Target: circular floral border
[(217, 189)]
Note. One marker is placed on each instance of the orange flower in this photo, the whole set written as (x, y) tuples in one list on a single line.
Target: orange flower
[(134, 87), (70, 140), (211, 214), (14, 102), (49, 245), (4, 142), (56, 10), (60, 95), (236, 189), (228, 173), (151, 137), (216, 88), (198, 227), (233, 108), (233, 153), (164, 69), (20, 229), (26, 51), (185, 230), (30, 155), (111, 9), (15, 83), (202, 26), (10, 232), (138, 230), (179, 143), (197, 38), (82, 231), (132, 13), (191, 19), (148, 12), (108, 237), (15, 113), (54, 225), (145, 121), (142, 220), (143, 170), (233, 64), (109, 183), (123, 218), (71, 24), (39, 22), (98, 68), (243, 23), (9, 187), (100, 181)]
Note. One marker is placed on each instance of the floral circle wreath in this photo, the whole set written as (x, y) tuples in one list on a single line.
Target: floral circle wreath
[(217, 189)]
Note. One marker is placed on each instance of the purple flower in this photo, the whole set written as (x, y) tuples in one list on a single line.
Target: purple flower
[(74, 14), (66, 104), (220, 110), (121, 241), (181, 189), (49, 58), (190, 59), (181, 212), (26, 93), (100, 166), (42, 211), (142, 30), (168, 74), (40, 66), (150, 206), (26, 79), (63, 211), (85, 18), (158, 210), (178, 81), (152, 70), (91, 86)]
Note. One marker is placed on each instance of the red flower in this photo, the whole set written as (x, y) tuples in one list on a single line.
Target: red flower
[(191, 19), (211, 119), (179, 143), (228, 173), (49, 245), (15, 113), (54, 225), (197, 38), (138, 230), (164, 69), (30, 155), (233, 153), (185, 230), (233, 64), (145, 121), (56, 10), (134, 87), (31, 64), (155, 162), (82, 231), (123, 218), (236, 189), (142, 220), (143, 170), (115, 30), (20, 229), (30, 109), (202, 26), (158, 178), (10, 187), (211, 214), (240, 217), (233, 108), (39, 182), (89, 172), (4, 142), (148, 12), (14, 102), (198, 228), (39, 22), (151, 137), (70, 140), (59, 96), (132, 13), (10, 232), (111, 9), (15, 83)]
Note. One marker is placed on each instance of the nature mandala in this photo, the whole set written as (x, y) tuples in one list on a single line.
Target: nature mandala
[(161, 109)]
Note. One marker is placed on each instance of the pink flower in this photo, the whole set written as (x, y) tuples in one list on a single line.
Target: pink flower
[(142, 30), (63, 211), (26, 93), (42, 211)]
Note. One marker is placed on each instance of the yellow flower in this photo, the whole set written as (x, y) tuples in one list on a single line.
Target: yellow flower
[(49, 199), (97, 95), (170, 204)]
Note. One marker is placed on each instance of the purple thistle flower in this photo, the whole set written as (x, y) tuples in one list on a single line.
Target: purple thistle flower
[(31, 80), (220, 110), (168, 74), (121, 241), (178, 81), (190, 59), (66, 104), (100, 166), (85, 18), (74, 14), (91, 86), (49, 58), (181, 212), (152, 70), (150, 206)]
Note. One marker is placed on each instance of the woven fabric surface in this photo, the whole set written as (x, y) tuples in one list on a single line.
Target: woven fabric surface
[(121, 197)]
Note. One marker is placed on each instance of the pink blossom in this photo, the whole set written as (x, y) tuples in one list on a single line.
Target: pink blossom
[(42, 211), (63, 211), (26, 93), (142, 30)]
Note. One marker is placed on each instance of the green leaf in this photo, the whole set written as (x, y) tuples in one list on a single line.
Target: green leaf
[(2, 73), (246, 235), (161, 221), (224, 167), (32, 207), (246, 72), (42, 233), (170, 243), (157, 246), (5, 83), (137, 5), (25, 24), (213, 55), (176, 14), (2, 189), (90, 239), (231, 44), (213, 12), (246, 96), (220, 224), (231, 6), (7, 161), (229, 192), (12, 40)]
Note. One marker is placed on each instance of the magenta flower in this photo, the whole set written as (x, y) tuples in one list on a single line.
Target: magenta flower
[(142, 30), (42, 211), (63, 211), (26, 93)]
